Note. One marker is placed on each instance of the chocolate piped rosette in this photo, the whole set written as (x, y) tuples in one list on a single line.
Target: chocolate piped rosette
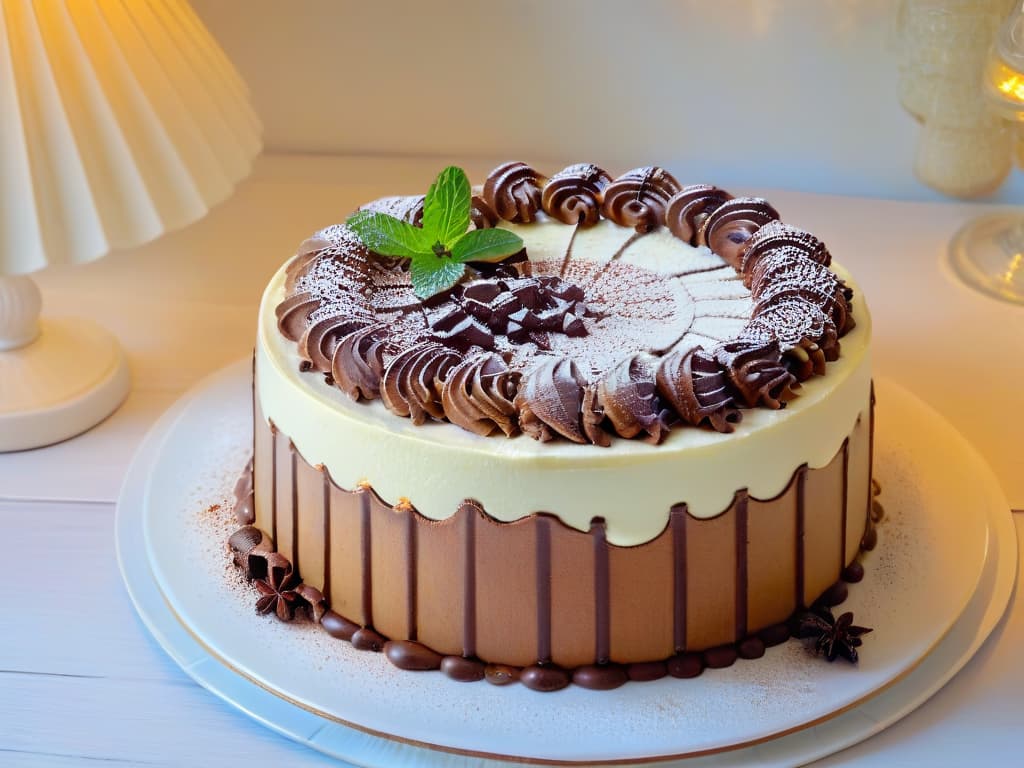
[(563, 425)]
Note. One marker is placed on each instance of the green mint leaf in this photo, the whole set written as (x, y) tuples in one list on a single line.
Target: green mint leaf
[(387, 235), (447, 205), (486, 245), (431, 274)]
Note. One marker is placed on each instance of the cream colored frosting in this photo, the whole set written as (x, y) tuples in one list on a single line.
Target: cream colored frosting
[(631, 484)]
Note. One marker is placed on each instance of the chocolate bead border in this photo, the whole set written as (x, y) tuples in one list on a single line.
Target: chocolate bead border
[(250, 554)]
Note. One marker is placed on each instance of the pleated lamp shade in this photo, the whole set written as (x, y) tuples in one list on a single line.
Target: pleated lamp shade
[(120, 120)]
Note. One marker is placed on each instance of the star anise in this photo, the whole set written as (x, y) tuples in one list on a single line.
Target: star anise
[(832, 637), (277, 588)]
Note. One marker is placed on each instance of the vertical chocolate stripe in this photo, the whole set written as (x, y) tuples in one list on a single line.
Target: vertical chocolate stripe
[(801, 483), (410, 572), (367, 556), (742, 506), (678, 525), (846, 491), (602, 592), (273, 483), (568, 252), (543, 589), (871, 452), (469, 583), (295, 508), (326, 590)]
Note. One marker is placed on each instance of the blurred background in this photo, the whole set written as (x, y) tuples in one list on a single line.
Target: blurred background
[(774, 94)]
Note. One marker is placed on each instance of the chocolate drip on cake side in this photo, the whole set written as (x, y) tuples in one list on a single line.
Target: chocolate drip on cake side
[(411, 586), (678, 525), (543, 589), (801, 482), (742, 506), (326, 589), (366, 547), (273, 483), (846, 492), (469, 582), (602, 592), (295, 508)]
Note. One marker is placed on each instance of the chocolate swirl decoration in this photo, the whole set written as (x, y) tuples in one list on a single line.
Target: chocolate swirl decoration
[(688, 208), (697, 389), (806, 335), (513, 192), (756, 371), (626, 398), (785, 272), (775, 234), (293, 314), (322, 335), (478, 395), (728, 228), (358, 362), (574, 194), (549, 401), (412, 381), (638, 198)]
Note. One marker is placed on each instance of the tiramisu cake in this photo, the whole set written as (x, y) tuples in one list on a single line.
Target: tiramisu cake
[(571, 429)]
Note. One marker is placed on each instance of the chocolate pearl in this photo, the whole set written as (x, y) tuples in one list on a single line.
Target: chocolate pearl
[(835, 594), (600, 677), (245, 512), (406, 654), (877, 511), (338, 626), (721, 656), (685, 665), (544, 679), (647, 670), (461, 669), (870, 539), (853, 573), (751, 648), (500, 674), (775, 634), (366, 639)]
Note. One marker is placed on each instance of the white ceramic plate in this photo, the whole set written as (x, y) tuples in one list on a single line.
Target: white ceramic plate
[(948, 538)]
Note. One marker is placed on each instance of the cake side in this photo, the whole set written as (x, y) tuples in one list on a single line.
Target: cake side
[(515, 477)]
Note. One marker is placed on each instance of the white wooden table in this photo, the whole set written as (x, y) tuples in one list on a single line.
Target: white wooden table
[(80, 678)]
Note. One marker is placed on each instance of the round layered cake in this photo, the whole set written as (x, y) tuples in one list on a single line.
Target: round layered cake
[(635, 446)]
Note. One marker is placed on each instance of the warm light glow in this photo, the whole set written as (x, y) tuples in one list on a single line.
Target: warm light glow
[(1009, 82), (1005, 86)]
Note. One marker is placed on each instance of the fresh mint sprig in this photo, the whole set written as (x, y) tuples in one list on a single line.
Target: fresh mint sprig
[(438, 251)]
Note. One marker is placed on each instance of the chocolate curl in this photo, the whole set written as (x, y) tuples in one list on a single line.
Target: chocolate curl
[(638, 198), (513, 191), (689, 208), (574, 194)]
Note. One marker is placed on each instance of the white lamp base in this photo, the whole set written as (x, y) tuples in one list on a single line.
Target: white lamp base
[(70, 378)]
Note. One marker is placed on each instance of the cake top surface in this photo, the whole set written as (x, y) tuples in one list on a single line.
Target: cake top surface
[(590, 308)]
